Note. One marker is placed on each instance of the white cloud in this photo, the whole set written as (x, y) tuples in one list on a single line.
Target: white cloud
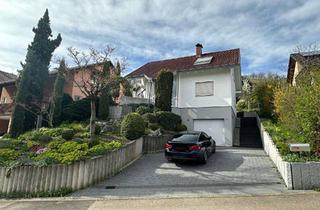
[(142, 30)]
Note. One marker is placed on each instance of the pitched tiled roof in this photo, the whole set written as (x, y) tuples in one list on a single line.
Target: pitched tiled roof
[(221, 58), (302, 58), (5, 77)]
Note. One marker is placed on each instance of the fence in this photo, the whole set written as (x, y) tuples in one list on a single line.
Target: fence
[(153, 144), (33, 179), (81, 174)]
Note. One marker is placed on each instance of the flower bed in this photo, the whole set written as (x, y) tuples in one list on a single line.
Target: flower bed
[(61, 145)]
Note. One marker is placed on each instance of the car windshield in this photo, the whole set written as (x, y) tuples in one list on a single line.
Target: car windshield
[(186, 138)]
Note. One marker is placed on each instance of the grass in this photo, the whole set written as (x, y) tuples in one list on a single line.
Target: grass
[(282, 137)]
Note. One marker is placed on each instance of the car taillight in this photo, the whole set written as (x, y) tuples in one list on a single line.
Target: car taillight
[(195, 148), (168, 146)]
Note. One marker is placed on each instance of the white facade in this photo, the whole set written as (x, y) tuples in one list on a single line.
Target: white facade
[(204, 98), (223, 88), (213, 112), (143, 87)]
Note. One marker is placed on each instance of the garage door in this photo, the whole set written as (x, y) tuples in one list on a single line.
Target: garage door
[(214, 128)]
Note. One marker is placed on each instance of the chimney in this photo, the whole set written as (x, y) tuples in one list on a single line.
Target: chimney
[(198, 50)]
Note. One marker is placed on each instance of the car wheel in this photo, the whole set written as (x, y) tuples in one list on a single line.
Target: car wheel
[(214, 149), (204, 158)]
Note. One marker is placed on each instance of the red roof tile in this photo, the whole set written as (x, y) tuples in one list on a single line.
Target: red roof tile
[(221, 58)]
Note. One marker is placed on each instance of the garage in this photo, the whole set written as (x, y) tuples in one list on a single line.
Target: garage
[(214, 128)]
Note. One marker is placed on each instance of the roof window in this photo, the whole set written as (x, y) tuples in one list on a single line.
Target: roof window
[(203, 60)]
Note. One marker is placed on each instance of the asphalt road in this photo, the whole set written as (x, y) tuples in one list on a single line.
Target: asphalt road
[(303, 201)]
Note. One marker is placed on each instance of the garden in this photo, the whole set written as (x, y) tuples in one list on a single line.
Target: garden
[(290, 114), (70, 142)]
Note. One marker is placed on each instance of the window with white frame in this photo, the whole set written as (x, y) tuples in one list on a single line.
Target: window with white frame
[(204, 88)]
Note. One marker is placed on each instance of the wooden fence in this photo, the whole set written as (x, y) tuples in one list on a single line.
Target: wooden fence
[(153, 144)]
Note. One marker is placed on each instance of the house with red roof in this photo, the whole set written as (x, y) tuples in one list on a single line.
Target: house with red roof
[(205, 88)]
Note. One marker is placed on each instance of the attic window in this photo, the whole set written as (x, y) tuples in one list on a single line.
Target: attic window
[(203, 60)]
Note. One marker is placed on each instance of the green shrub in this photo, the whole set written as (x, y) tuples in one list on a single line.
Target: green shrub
[(55, 145), (135, 106), (66, 152), (168, 120), (7, 156), (77, 111), (153, 126), (143, 110), (181, 127), (104, 147), (150, 118), (12, 144), (44, 139), (132, 126), (68, 134), (97, 130)]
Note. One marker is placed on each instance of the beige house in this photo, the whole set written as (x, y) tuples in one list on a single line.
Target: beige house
[(8, 88), (296, 63)]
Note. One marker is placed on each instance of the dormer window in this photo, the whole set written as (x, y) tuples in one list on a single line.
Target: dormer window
[(203, 60)]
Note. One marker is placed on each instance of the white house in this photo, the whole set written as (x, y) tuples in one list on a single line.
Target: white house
[(205, 88)]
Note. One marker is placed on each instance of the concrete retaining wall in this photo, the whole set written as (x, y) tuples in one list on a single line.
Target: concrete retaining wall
[(153, 144), (76, 176), (297, 176), (116, 112)]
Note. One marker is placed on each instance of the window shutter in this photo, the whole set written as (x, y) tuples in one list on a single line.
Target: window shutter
[(204, 88)]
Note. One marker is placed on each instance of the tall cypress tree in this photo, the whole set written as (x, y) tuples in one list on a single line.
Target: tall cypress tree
[(163, 90), (33, 77), (56, 102)]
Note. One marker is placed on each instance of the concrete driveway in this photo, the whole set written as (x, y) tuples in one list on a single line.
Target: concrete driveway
[(238, 171)]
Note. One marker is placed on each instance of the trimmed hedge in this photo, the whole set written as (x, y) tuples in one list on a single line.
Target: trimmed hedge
[(143, 110), (168, 120), (150, 118), (132, 126)]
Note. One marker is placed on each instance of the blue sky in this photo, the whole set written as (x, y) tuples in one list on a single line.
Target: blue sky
[(144, 30)]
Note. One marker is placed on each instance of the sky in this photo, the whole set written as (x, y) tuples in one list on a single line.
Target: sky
[(266, 31)]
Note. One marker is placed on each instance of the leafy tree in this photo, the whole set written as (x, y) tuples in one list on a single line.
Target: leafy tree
[(164, 90), (56, 102), (28, 100), (93, 78)]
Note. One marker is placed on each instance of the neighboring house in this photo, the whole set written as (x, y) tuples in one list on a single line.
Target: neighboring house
[(205, 88), (8, 88), (299, 60)]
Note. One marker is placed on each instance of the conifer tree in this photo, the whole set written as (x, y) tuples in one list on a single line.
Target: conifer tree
[(33, 77), (163, 90), (56, 102)]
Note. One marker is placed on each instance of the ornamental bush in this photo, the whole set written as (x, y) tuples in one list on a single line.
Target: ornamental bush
[(66, 152), (7, 156), (181, 127), (143, 110), (168, 120), (67, 134), (104, 147), (132, 126), (150, 118)]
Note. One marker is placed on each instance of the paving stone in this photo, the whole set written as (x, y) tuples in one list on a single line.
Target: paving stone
[(228, 170)]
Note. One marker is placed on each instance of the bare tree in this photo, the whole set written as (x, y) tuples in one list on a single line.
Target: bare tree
[(93, 75)]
